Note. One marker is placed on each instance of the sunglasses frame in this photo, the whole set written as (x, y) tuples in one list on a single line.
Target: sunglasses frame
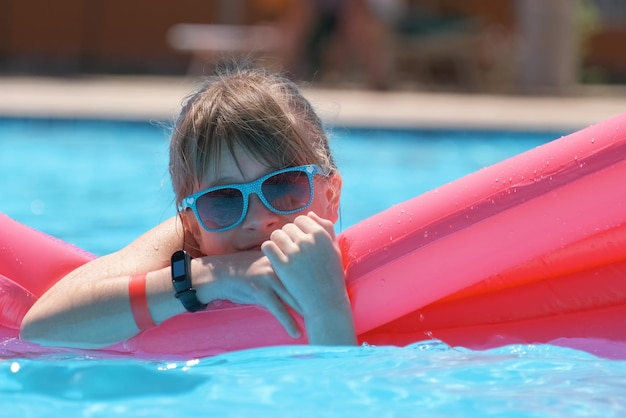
[(253, 187)]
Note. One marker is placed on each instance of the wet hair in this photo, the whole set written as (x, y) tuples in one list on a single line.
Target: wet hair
[(262, 112)]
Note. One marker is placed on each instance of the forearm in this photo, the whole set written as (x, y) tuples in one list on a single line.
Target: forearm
[(84, 313), (331, 325), (314, 276), (90, 309)]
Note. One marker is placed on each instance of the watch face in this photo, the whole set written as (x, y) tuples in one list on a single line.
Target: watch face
[(178, 269)]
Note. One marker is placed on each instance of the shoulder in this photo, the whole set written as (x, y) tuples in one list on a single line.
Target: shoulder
[(149, 252), (156, 246)]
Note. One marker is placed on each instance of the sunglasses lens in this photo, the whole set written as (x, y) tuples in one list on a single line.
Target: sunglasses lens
[(288, 191), (220, 208), (285, 192)]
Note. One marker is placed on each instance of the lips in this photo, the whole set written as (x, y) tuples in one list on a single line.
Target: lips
[(255, 247)]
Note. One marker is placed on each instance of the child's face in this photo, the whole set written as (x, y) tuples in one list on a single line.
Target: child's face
[(259, 221)]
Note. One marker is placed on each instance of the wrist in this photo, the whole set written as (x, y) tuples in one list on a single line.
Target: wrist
[(331, 300), (327, 312), (332, 327), (182, 282), (203, 272)]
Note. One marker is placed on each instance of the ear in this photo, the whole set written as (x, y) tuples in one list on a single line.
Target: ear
[(333, 195)]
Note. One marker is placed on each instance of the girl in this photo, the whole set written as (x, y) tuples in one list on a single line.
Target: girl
[(258, 194)]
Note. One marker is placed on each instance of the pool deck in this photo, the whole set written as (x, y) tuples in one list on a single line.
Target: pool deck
[(159, 98)]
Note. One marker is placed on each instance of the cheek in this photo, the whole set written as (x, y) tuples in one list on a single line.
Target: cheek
[(215, 243), (320, 204)]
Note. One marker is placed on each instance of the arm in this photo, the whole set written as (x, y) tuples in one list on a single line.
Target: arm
[(90, 308), (306, 258)]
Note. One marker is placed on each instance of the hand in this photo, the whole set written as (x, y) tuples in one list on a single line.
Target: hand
[(247, 278), (306, 258)]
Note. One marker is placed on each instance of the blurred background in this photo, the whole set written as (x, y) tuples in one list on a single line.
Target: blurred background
[(508, 46)]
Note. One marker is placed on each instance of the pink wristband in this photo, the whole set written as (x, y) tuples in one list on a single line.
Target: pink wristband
[(139, 302)]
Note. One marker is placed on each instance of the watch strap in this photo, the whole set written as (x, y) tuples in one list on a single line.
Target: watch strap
[(181, 280), (190, 301)]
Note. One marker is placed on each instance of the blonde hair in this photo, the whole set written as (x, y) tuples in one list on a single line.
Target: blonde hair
[(264, 113)]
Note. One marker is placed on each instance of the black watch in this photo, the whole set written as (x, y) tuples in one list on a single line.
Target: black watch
[(181, 279)]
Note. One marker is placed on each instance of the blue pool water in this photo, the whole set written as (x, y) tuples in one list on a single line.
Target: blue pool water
[(100, 184)]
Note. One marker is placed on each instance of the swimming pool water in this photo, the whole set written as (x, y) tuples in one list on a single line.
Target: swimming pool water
[(100, 184), (424, 379)]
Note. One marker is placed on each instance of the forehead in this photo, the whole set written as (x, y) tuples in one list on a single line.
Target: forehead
[(235, 166)]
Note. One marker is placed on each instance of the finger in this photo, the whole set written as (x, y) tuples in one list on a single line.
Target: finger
[(276, 308), (284, 241), (278, 259), (327, 224), (286, 297), (273, 252), (312, 224), (307, 224), (293, 231)]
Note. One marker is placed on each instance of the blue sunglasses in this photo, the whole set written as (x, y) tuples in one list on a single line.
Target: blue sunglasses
[(284, 191)]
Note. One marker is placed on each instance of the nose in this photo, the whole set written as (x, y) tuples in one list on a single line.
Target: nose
[(259, 217)]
